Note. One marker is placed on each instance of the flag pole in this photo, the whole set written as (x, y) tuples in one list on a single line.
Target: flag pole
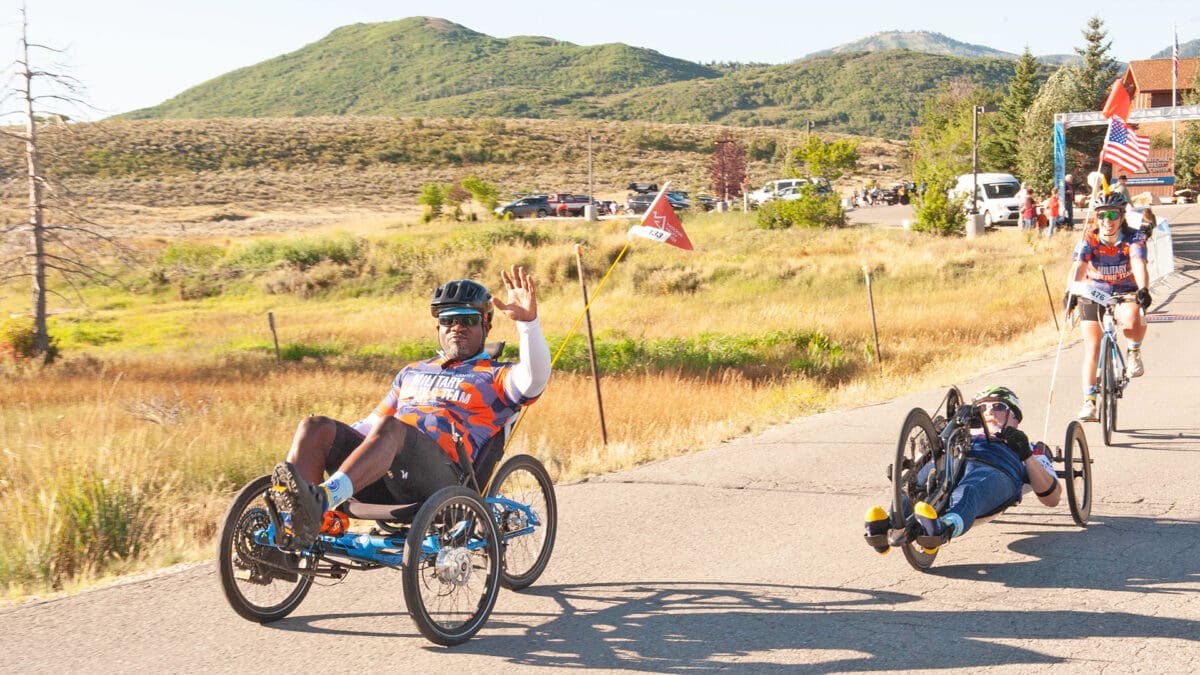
[(1174, 87)]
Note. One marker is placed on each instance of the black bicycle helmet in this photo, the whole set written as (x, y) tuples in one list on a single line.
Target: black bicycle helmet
[(1113, 201), (462, 293), (1002, 394)]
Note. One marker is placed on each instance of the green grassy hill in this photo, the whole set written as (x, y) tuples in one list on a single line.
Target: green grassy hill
[(424, 66), (428, 66)]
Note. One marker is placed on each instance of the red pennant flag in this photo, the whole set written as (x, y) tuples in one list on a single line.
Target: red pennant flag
[(661, 224), (1117, 104)]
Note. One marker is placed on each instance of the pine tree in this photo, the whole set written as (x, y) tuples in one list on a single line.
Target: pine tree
[(1001, 150), (1092, 80)]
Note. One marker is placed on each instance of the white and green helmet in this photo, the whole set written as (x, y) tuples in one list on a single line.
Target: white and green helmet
[(1002, 394)]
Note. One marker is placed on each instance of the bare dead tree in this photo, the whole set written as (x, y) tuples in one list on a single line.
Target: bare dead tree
[(39, 247)]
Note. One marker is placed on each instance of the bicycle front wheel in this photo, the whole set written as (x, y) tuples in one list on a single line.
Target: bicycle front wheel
[(1108, 393), (1077, 474)]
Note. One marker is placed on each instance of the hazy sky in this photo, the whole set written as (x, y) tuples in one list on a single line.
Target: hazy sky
[(136, 53)]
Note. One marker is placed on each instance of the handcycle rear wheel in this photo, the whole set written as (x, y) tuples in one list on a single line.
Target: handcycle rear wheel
[(1108, 395), (253, 576), (451, 573), (1077, 474), (523, 479), (919, 446)]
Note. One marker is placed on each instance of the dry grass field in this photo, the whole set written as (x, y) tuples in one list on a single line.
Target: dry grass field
[(168, 396)]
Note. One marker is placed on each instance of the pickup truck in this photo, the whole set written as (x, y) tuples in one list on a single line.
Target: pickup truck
[(568, 205)]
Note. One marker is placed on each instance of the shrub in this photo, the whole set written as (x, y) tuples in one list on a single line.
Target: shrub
[(810, 210), (16, 341), (342, 249), (939, 214)]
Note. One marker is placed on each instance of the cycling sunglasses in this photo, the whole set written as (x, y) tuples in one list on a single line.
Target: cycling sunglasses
[(994, 406), (460, 320), (1109, 215)]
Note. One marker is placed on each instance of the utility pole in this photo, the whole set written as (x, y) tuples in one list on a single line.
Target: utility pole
[(975, 159), (591, 198)]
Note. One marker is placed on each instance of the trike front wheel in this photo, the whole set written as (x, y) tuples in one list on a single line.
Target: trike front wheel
[(1077, 474), (527, 536), (451, 571), (919, 447)]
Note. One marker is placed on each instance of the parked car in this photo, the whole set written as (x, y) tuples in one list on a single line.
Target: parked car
[(997, 196), (776, 188), (568, 205), (533, 206), (640, 202)]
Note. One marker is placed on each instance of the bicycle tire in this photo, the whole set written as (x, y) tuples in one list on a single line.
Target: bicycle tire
[(1077, 474), (523, 557), (236, 550), (1108, 394), (918, 446), (452, 551)]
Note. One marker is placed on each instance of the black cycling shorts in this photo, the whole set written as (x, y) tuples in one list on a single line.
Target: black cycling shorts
[(420, 469), (1090, 311)]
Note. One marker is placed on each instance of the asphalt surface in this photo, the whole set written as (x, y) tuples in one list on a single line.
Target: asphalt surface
[(749, 556)]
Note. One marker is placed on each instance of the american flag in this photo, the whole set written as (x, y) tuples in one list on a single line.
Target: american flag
[(1175, 59), (1124, 148)]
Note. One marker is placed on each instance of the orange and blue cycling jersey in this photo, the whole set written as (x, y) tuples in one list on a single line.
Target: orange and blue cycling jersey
[(466, 396), (1109, 266)]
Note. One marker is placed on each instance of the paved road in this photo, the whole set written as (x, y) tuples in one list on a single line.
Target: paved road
[(749, 555)]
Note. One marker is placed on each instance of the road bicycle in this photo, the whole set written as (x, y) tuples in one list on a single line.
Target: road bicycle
[(931, 457), (454, 551), (1111, 375)]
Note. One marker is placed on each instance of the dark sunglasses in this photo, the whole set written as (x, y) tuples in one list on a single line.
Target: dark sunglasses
[(994, 406), (1110, 215), (460, 320)]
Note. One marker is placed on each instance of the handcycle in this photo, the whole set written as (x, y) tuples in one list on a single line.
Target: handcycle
[(454, 551), (932, 456), (1111, 376)]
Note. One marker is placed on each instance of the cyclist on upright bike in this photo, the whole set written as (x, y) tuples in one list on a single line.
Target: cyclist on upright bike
[(1113, 259)]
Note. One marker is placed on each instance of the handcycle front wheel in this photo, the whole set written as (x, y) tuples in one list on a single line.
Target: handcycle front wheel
[(451, 574), (262, 583), (524, 554), (1077, 474), (919, 446)]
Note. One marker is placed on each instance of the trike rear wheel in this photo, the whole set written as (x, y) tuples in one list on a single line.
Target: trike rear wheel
[(525, 545), (1077, 474), (262, 583), (451, 571)]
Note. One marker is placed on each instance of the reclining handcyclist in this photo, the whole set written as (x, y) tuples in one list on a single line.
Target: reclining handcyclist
[(1001, 465), (1112, 258), (406, 450)]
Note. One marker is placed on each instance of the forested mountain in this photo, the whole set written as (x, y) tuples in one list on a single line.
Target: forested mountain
[(429, 66)]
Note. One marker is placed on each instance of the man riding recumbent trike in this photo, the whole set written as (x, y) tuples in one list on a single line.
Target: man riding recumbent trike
[(422, 467), (968, 463)]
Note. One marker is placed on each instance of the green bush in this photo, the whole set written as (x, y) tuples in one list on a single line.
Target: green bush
[(937, 213), (761, 354), (810, 210), (16, 340), (342, 249)]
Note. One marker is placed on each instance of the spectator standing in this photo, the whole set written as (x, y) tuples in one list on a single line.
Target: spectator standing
[(1052, 211), (1069, 193), (1028, 211), (1121, 187)]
